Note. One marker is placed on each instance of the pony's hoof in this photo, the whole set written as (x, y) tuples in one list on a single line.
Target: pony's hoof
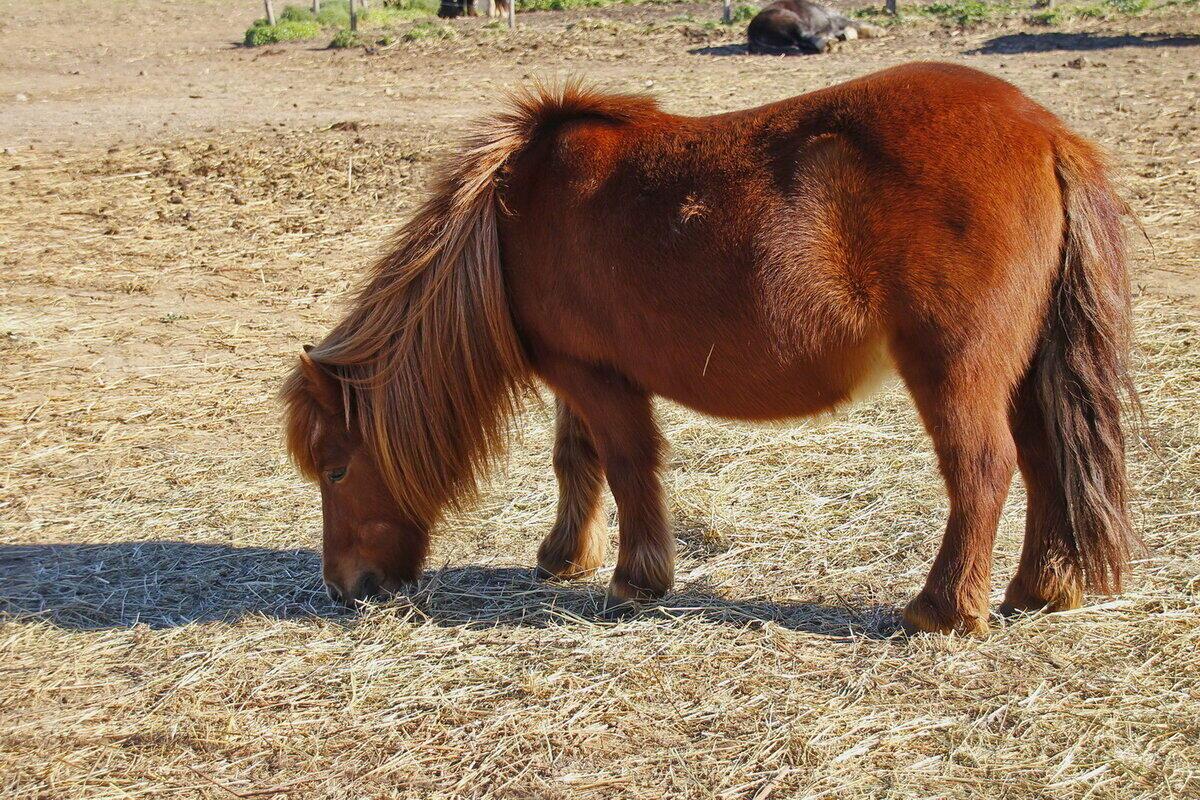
[(616, 610), (1064, 596), (544, 575), (623, 590), (922, 615), (575, 557)]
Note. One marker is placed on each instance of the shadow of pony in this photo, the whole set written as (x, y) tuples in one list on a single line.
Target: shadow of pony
[(165, 584)]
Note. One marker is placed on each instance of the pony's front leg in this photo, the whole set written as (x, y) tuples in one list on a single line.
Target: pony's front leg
[(620, 418), (575, 546)]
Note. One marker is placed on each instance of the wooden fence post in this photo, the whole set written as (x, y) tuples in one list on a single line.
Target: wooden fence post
[(316, 6), (270, 12), (353, 18), (512, 14), (728, 13)]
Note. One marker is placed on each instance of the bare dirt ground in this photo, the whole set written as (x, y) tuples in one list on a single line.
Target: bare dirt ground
[(178, 214)]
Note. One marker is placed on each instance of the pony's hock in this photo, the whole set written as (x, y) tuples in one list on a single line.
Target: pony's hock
[(929, 220)]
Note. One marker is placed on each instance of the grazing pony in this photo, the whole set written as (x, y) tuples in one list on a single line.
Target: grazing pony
[(764, 264), (795, 27)]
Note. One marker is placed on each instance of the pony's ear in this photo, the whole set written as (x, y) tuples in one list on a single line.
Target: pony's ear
[(322, 386)]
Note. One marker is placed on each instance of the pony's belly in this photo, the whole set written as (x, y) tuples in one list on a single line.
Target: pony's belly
[(745, 390)]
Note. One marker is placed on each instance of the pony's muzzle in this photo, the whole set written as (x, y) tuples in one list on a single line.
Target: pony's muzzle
[(335, 593), (368, 586)]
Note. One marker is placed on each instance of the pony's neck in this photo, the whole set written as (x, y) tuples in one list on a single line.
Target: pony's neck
[(433, 366)]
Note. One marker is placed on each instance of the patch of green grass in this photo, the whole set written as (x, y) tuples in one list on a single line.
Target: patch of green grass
[(297, 23), (336, 13), (345, 38), (957, 13), (743, 12), (1048, 17), (968, 13), (259, 34), (560, 5), (296, 14), (296, 30), (879, 16), (285, 30), (963, 13), (1128, 6)]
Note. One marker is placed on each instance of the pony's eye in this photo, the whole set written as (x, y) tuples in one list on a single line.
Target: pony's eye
[(336, 475)]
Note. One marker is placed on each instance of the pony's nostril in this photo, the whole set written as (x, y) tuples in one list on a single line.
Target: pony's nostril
[(335, 594), (368, 587)]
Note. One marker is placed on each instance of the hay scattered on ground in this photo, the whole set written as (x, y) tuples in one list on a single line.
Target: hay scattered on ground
[(164, 632)]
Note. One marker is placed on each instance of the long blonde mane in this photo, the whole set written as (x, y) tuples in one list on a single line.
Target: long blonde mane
[(431, 366)]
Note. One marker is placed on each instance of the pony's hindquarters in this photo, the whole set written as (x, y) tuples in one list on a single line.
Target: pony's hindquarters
[(751, 266), (1067, 414)]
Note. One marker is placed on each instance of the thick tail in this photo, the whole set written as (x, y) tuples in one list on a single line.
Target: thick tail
[(1082, 367)]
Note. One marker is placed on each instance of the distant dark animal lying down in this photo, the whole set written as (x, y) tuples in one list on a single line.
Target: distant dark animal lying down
[(792, 27)]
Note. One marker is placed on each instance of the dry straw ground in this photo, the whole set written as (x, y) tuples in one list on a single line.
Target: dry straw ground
[(163, 631)]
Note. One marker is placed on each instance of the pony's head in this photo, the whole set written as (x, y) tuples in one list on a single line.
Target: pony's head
[(403, 407), (370, 547)]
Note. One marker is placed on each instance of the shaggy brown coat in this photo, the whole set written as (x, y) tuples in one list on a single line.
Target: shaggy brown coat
[(762, 265)]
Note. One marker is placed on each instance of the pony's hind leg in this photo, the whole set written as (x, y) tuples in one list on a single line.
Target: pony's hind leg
[(965, 412), (575, 546), (1048, 576), (620, 418)]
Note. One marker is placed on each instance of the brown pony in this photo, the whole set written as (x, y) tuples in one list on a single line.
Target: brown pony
[(759, 265)]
